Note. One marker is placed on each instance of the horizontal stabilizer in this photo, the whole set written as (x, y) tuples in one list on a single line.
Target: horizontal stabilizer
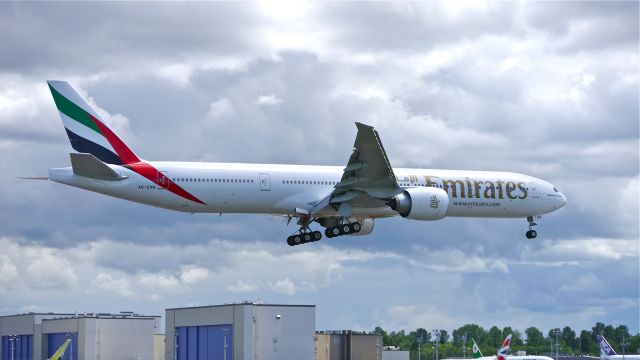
[(88, 165), (33, 177)]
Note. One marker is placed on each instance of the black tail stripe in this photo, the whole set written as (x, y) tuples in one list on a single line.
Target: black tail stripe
[(83, 145)]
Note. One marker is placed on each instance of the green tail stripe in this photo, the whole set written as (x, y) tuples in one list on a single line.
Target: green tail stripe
[(73, 111)]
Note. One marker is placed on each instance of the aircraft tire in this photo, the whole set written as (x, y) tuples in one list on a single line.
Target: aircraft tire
[(345, 229), (335, 231), (355, 227), (534, 234), (327, 233), (307, 237), (290, 241), (316, 236)]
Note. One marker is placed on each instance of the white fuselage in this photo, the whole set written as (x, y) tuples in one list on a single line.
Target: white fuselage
[(620, 357), (289, 189)]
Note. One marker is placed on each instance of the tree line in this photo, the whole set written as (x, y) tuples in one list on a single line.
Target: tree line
[(533, 341)]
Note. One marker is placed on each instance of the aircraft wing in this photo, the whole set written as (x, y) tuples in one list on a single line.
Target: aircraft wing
[(367, 179)]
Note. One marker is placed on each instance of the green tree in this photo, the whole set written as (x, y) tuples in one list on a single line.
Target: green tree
[(569, 339), (472, 331), (379, 331), (534, 336), (494, 337), (587, 343), (621, 333), (444, 337)]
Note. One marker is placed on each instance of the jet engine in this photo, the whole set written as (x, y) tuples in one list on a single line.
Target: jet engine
[(421, 203), (366, 227)]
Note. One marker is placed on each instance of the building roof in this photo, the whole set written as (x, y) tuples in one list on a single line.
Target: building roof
[(240, 304)]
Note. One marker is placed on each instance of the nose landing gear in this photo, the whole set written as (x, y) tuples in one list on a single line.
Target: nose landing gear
[(531, 234)]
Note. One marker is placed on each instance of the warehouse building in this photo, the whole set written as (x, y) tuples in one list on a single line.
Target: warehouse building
[(243, 331), (93, 336), (21, 335), (102, 336), (348, 345)]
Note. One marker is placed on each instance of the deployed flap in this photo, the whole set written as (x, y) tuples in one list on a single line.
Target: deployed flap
[(89, 166), (368, 172)]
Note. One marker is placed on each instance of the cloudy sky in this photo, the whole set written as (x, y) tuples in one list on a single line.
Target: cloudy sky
[(547, 89)]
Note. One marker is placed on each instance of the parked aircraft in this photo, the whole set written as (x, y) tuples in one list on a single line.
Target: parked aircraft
[(607, 352), (343, 200), (503, 353)]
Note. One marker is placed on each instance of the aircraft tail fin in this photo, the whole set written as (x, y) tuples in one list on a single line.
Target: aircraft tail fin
[(504, 350), (61, 350), (86, 130), (476, 349), (605, 348)]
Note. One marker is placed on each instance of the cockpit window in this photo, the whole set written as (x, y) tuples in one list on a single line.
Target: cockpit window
[(554, 189)]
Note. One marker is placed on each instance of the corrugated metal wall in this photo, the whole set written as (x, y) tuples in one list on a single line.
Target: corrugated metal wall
[(55, 340), (19, 347), (204, 342)]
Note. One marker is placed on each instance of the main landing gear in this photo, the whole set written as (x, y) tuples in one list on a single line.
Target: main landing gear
[(305, 235), (344, 229), (531, 234)]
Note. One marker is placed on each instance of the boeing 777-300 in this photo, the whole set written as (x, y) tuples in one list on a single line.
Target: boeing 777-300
[(344, 200)]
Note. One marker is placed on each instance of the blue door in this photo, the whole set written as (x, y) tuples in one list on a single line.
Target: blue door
[(210, 342), (18, 347)]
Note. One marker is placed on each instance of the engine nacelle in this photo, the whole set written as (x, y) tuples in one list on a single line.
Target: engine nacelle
[(366, 227), (421, 203)]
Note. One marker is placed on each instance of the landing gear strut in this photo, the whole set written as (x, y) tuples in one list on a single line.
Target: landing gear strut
[(531, 234)]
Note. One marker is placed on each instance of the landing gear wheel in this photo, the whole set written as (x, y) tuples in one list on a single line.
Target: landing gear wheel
[(297, 239), (345, 229), (307, 237), (290, 241), (327, 233), (531, 234), (335, 231), (316, 236), (355, 227)]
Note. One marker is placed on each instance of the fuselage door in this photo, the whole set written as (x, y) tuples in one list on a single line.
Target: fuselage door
[(265, 182), (535, 190), (163, 180)]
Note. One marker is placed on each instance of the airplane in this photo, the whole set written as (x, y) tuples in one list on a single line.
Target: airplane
[(607, 352), (503, 353), (477, 354), (61, 350), (344, 200)]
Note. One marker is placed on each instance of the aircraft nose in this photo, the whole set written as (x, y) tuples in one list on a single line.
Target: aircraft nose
[(562, 201)]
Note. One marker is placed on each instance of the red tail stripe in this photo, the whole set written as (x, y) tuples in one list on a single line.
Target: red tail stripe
[(126, 155), (134, 163), (152, 174)]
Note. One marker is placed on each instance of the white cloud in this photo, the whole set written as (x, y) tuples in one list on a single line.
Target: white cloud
[(284, 286), (221, 108), (268, 100), (241, 286), (193, 274)]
